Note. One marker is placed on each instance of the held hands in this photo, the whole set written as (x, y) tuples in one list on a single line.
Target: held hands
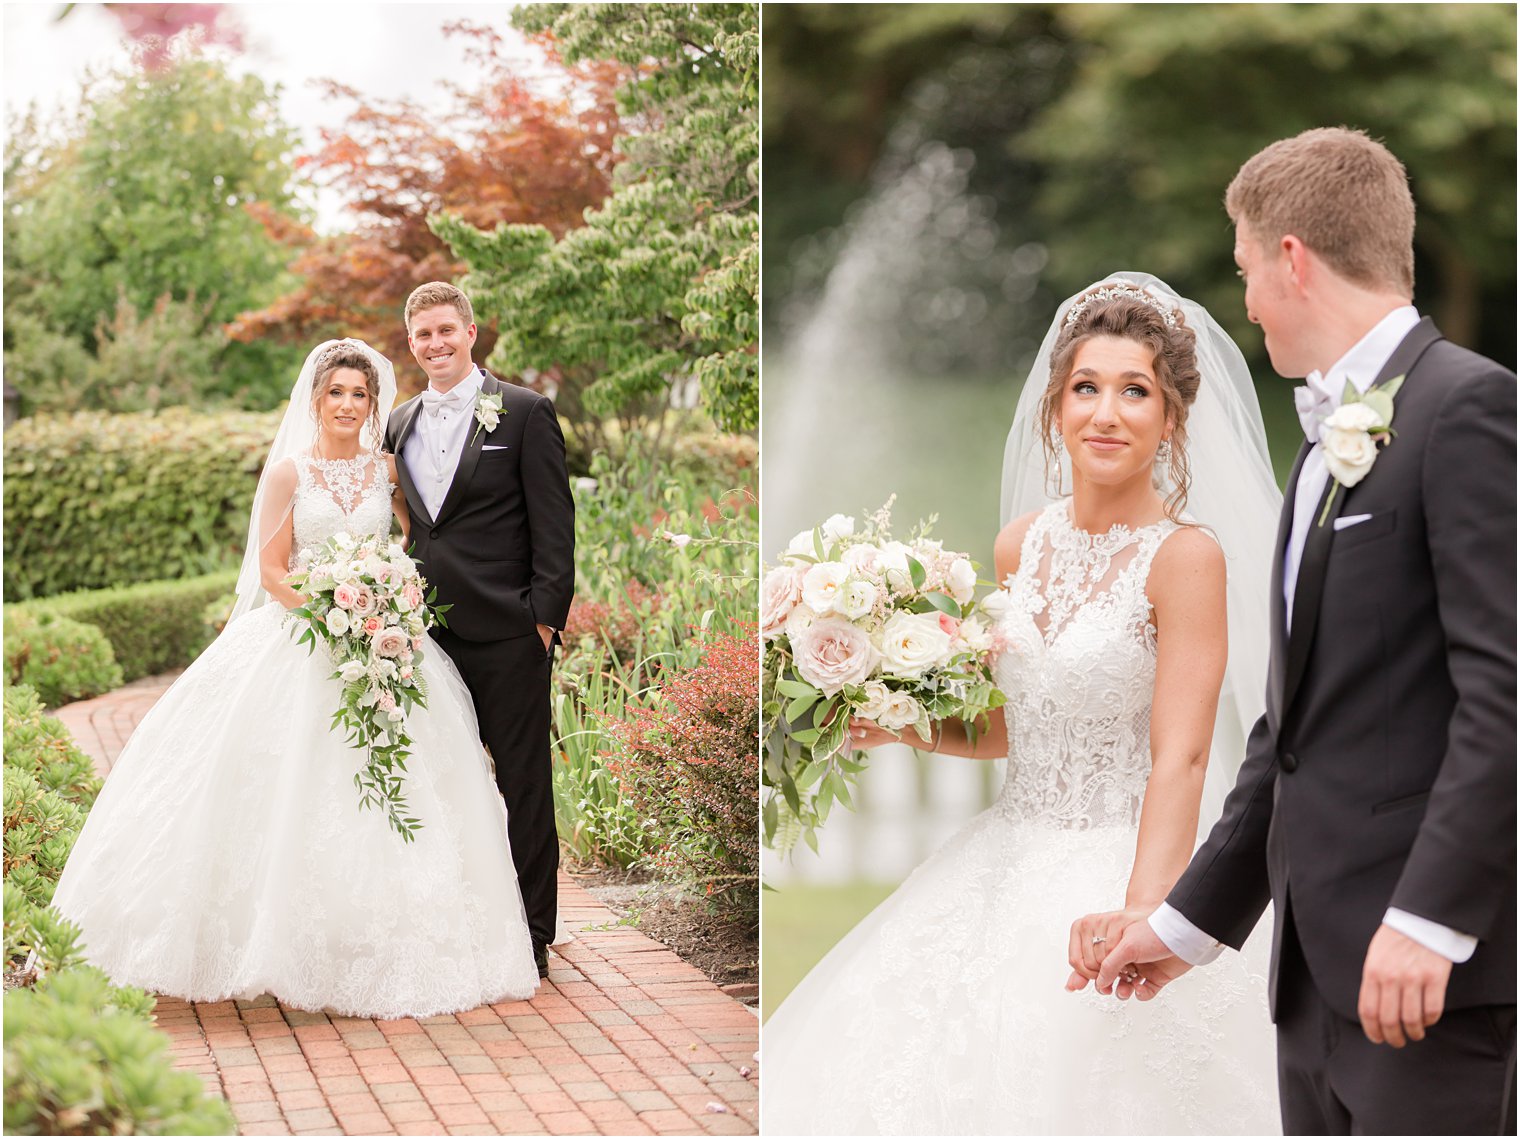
[(1140, 965), (1091, 939), (1403, 988)]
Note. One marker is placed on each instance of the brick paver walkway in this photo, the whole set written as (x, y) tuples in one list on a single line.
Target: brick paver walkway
[(624, 1038)]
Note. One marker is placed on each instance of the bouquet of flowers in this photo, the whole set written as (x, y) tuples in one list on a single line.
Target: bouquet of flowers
[(859, 624), (369, 606)]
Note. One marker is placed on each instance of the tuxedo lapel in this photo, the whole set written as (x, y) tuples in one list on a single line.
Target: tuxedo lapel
[(1278, 664), (1316, 558), (470, 458), (408, 487)]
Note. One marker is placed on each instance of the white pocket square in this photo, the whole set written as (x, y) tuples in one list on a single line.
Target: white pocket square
[(1350, 520), (493, 447)]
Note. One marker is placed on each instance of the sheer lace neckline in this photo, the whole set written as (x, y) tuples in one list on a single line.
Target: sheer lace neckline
[(1120, 533)]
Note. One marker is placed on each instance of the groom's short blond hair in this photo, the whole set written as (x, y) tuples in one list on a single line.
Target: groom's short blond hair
[(438, 293), (1342, 194)]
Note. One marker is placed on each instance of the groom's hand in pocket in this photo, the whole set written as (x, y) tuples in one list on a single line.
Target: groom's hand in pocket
[(1141, 965), (1403, 988)]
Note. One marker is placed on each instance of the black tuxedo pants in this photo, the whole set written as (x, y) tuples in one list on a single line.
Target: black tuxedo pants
[(1459, 1080), (509, 683)]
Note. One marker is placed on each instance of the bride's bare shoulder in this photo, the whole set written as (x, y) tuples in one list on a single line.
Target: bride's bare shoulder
[(1010, 540)]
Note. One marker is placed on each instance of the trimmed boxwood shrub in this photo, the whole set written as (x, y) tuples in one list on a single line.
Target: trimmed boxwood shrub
[(94, 500), (81, 1055), (62, 659), (83, 1058), (153, 626)]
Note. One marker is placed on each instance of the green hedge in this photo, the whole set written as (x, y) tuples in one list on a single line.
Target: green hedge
[(153, 626), (81, 1055), (95, 500), (62, 659)]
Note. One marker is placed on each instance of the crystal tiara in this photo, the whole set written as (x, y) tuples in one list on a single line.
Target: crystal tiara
[(1114, 292)]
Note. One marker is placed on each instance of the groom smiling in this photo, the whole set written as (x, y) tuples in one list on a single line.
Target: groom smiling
[(1376, 805), (482, 464)]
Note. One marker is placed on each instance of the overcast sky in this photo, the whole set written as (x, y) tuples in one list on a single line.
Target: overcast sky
[(384, 50)]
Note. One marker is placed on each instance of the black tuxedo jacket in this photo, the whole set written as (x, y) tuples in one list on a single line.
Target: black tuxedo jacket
[(1383, 771), (502, 549)]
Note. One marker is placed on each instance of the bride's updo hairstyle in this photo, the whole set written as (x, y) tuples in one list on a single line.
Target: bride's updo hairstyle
[(1125, 310), (346, 355)]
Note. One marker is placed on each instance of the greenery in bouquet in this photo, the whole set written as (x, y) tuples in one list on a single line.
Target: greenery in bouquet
[(859, 624), (368, 605)]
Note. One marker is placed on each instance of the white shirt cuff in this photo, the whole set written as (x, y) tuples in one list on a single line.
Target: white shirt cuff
[(1182, 937), (1455, 947)]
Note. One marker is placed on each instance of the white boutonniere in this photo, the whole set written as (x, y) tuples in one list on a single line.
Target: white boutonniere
[(488, 413), (1353, 433)]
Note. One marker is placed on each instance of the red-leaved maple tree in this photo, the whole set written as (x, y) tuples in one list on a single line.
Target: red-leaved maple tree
[(509, 148)]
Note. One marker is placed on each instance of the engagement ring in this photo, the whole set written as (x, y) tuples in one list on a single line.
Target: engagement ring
[(1099, 940)]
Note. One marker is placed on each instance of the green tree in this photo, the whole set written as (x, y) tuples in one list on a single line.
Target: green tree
[(1167, 102), (660, 284), (142, 194)]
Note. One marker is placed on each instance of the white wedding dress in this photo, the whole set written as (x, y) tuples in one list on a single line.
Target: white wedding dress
[(944, 1011), (227, 855)]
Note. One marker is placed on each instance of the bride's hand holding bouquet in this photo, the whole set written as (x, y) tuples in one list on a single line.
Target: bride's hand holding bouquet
[(862, 627)]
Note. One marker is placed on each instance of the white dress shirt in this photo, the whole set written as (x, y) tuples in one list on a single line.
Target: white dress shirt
[(1360, 366), (433, 449)]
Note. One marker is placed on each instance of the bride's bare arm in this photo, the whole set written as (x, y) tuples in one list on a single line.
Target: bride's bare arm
[(1187, 591), (277, 531), (951, 737), (398, 502), (1186, 588)]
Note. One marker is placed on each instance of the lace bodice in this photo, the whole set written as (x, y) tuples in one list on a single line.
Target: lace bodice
[(333, 495), (1078, 673)]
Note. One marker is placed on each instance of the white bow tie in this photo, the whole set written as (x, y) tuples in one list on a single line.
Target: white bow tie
[(434, 402), (1314, 401)]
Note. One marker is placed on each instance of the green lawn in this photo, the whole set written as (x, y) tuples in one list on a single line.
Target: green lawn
[(799, 924)]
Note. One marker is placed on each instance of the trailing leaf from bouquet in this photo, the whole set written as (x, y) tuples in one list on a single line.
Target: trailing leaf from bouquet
[(369, 607), (857, 624)]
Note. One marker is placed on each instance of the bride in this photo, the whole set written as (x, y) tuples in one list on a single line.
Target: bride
[(227, 855), (944, 1011)]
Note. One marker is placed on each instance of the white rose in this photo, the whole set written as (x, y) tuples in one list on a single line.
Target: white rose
[(821, 585), (385, 669), (780, 590), (1349, 450), (351, 670), (488, 418), (913, 643), (836, 527), (857, 598), (892, 561), (961, 581), (996, 604), (831, 653), (376, 566), (801, 545), (395, 715), (975, 636), (797, 620), (860, 557), (343, 573), (343, 540), (877, 695), (337, 622), (1353, 417), (901, 711)]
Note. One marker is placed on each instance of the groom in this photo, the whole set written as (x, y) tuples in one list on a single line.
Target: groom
[(494, 527), (1376, 805)]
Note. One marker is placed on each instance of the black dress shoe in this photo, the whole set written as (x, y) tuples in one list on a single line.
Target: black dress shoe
[(541, 958)]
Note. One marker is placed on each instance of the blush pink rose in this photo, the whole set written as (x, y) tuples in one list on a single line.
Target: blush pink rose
[(344, 596), (371, 626), (386, 703), (390, 643), (831, 653), (365, 601), (779, 593), (411, 597)]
